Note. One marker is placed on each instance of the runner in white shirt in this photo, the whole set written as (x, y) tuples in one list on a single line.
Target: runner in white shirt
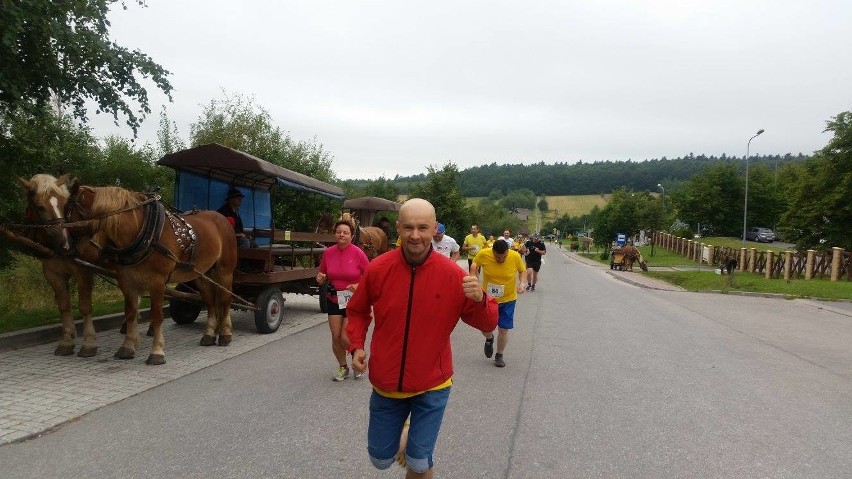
[(445, 244), (507, 237)]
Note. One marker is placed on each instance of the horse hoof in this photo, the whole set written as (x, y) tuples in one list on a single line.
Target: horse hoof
[(207, 340), (225, 339), (150, 332), (155, 360), (64, 350), (125, 353), (88, 351)]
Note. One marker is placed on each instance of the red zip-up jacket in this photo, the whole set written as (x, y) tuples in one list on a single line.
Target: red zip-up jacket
[(416, 308)]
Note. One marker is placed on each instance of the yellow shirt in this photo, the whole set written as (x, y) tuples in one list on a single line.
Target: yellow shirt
[(499, 278), (403, 395), (478, 243)]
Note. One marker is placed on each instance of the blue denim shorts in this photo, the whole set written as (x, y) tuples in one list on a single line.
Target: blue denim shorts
[(506, 315), (387, 417)]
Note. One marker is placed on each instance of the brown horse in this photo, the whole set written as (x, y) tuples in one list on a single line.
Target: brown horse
[(148, 247), (632, 255), (46, 197), (371, 239)]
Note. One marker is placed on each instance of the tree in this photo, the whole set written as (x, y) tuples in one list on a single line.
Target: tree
[(442, 190), (240, 124), (542, 205), (620, 215), (820, 194), (713, 199), (522, 198), (43, 143), (493, 218), (122, 164), (60, 52)]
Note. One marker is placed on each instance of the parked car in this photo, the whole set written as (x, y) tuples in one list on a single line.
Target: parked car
[(761, 235)]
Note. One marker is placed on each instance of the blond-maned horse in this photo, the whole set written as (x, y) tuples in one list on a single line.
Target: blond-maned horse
[(148, 247), (371, 239), (46, 197)]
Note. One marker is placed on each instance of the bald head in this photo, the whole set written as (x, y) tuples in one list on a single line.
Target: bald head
[(416, 226), (417, 207)]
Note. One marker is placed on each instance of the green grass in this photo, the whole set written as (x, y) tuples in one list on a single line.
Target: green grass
[(26, 300), (707, 279), (738, 243), (751, 282)]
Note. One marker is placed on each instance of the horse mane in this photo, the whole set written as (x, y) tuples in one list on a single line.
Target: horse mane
[(43, 184), (347, 217), (110, 199)]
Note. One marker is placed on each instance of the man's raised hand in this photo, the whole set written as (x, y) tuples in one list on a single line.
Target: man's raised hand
[(470, 285)]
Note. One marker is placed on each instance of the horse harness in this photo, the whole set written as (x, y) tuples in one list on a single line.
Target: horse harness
[(148, 238)]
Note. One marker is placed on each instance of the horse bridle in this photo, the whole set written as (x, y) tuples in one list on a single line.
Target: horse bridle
[(357, 238)]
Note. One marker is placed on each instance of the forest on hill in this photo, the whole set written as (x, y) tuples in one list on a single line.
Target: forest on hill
[(584, 178)]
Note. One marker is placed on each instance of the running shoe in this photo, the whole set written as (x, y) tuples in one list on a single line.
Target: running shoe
[(498, 361), (342, 373), (489, 347), (357, 374)]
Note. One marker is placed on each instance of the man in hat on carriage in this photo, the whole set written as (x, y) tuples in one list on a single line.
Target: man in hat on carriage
[(231, 210)]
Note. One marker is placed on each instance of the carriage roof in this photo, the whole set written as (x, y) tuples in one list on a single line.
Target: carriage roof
[(372, 203), (242, 169)]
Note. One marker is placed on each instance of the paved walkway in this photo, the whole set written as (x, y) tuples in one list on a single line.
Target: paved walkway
[(39, 391), (634, 278)]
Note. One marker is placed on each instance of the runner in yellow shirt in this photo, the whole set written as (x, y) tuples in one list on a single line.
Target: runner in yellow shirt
[(503, 276), (473, 243)]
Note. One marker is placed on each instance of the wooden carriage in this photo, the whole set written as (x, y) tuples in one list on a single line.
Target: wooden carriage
[(280, 261)]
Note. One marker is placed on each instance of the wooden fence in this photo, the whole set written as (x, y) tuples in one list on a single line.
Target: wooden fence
[(836, 264)]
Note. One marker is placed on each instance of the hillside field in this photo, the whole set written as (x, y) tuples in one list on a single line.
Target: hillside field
[(573, 205)]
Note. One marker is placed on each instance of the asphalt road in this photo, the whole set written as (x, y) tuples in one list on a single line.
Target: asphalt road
[(603, 379)]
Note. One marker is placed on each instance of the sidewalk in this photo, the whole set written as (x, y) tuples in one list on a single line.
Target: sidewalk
[(40, 391), (634, 278)]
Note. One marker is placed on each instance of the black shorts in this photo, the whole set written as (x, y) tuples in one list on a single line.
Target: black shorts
[(535, 266), (333, 309)]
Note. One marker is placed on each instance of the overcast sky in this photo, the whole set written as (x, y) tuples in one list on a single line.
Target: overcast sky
[(389, 87)]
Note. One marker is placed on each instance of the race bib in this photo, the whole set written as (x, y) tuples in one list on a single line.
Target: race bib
[(474, 249), (494, 290), (343, 298)]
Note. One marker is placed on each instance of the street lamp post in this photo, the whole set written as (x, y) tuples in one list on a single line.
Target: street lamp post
[(745, 202)]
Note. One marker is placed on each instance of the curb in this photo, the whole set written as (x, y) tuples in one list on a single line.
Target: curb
[(640, 284), (52, 332)]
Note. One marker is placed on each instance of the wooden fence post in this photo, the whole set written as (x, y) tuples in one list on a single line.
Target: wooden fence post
[(742, 259), (770, 262), (809, 264), (752, 262), (836, 258), (788, 264), (710, 255)]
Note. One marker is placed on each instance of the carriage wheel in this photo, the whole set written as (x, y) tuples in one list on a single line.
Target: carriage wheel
[(270, 310), (323, 300), (183, 312)]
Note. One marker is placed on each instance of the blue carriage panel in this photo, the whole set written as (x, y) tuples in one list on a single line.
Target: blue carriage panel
[(262, 213), (192, 192)]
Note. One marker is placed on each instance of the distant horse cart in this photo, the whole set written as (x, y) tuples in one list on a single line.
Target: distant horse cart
[(279, 261), (372, 239)]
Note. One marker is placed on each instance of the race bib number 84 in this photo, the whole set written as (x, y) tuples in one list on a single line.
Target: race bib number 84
[(494, 290)]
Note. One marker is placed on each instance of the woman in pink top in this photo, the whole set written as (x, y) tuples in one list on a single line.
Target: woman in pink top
[(342, 267)]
